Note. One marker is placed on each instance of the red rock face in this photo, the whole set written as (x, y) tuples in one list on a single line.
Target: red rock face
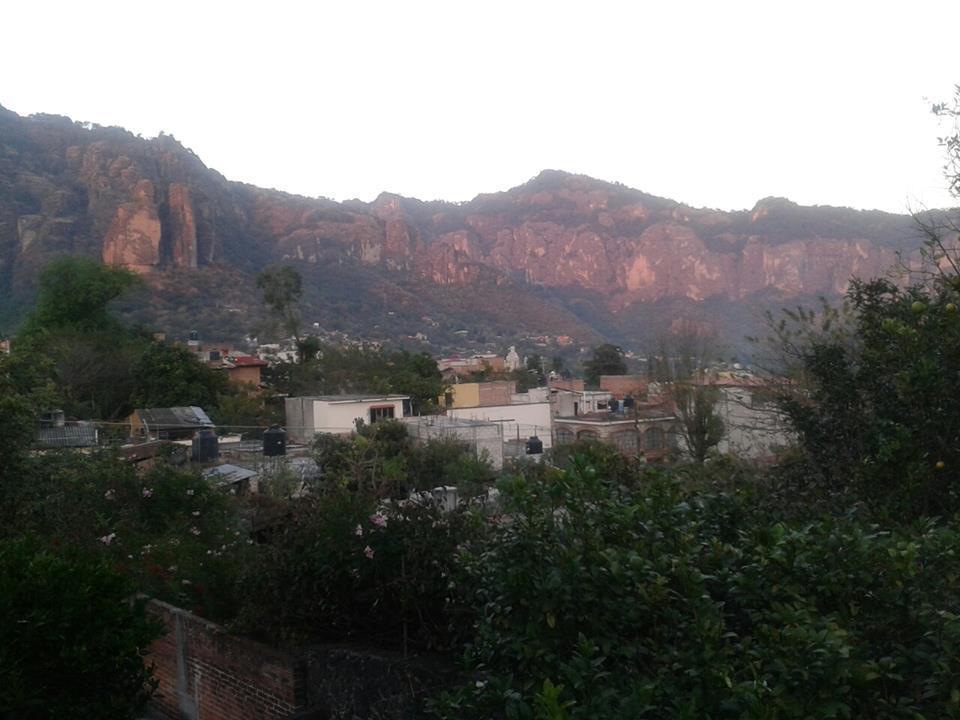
[(151, 205), (183, 226), (133, 240)]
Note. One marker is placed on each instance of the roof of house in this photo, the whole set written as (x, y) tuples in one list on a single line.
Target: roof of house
[(68, 436), (228, 474), (174, 417), (356, 397)]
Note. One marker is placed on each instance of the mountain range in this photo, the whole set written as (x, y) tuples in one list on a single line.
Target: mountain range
[(561, 255)]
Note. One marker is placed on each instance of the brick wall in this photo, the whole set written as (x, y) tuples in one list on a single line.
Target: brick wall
[(622, 385), (207, 674)]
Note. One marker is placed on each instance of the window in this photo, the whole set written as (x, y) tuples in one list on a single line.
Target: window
[(625, 442), (384, 412), (586, 435), (564, 437), (653, 439), (448, 399)]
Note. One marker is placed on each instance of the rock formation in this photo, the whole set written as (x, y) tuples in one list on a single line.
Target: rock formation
[(152, 206)]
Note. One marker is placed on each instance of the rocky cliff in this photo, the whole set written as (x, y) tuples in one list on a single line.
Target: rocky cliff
[(561, 242)]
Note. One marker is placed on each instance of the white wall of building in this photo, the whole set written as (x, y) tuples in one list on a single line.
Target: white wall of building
[(529, 419), (307, 416)]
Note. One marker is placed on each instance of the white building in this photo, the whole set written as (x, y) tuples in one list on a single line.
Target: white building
[(484, 438), (307, 416), (519, 422)]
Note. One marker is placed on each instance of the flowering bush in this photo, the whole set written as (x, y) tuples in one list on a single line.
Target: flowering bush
[(346, 566)]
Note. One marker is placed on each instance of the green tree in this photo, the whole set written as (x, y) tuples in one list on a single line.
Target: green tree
[(72, 638), (607, 360), (168, 376), (701, 424), (282, 288), (74, 293)]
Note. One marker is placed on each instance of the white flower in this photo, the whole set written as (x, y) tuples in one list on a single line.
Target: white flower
[(368, 551), (195, 513), (359, 531), (147, 492), (107, 539), (109, 495), (190, 492), (379, 519), (186, 582), (195, 530)]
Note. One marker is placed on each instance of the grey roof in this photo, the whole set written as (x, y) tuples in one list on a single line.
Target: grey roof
[(227, 474), (174, 417), (68, 436)]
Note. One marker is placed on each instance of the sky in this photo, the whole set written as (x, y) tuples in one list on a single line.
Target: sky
[(715, 104)]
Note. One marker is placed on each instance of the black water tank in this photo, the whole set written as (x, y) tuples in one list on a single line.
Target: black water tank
[(206, 448), (628, 402), (534, 446), (275, 441), (614, 406)]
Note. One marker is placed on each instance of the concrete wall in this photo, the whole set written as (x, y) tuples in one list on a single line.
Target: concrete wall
[(299, 418), (754, 429), (207, 674), (529, 419), (484, 438)]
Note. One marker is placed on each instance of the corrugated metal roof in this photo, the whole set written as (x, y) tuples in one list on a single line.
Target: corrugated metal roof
[(68, 436), (174, 417)]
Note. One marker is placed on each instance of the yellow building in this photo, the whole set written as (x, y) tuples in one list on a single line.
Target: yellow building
[(467, 395)]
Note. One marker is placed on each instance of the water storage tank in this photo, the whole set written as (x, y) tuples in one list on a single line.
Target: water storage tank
[(206, 448), (275, 441), (628, 402), (614, 406), (534, 446)]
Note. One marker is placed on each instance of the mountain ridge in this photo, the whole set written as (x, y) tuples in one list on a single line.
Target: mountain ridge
[(560, 240)]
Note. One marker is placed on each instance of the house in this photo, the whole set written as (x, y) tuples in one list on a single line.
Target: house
[(234, 478), (5, 346), (175, 423), (575, 402), (307, 416), (484, 438), (243, 370), (646, 431), (754, 427)]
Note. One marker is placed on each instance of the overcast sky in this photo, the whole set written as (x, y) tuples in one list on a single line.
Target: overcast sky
[(715, 103)]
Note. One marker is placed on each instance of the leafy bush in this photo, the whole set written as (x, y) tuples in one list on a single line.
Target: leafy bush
[(344, 566), (71, 638), (596, 599)]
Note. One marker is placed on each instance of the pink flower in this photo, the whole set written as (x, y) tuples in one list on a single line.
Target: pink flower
[(109, 495), (379, 519), (359, 531), (107, 539), (368, 551), (147, 492)]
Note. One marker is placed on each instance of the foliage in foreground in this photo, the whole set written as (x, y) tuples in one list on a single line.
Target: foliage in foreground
[(602, 600), (71, 638)]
